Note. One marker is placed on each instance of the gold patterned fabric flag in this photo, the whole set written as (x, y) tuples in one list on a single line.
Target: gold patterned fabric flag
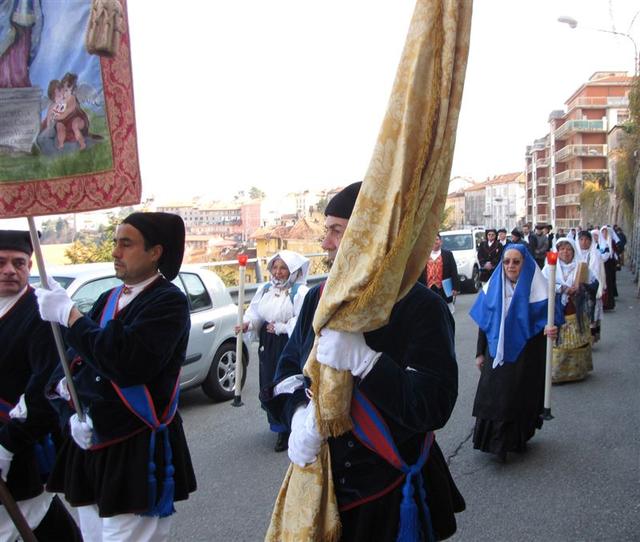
[(385, 246), (67, 124)]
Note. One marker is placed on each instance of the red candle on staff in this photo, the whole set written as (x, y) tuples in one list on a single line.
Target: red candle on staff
[(237, 398), (552, 260)]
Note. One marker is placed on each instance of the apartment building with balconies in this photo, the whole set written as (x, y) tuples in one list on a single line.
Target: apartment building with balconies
[(497, 202), (537, 180), (575, 151)]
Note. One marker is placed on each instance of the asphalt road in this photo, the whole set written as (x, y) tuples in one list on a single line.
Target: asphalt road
[(579, 480)]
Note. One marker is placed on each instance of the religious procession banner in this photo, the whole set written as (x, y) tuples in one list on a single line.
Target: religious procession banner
[(67, 123)]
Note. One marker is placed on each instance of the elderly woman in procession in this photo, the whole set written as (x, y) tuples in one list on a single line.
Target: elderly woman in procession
[(511, 313), (607, 247), (587, 251), (271, 317), (572, 358)]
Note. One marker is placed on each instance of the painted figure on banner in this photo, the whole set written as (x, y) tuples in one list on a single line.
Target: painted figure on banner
[(51, 93), (20, 30)]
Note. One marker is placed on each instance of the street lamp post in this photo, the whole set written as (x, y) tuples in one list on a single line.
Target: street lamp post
[(573, 23)]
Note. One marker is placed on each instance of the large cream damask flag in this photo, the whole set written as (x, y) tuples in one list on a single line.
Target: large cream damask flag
[(387, 241)]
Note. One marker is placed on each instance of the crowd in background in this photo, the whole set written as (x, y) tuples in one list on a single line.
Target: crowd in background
[(509, 401)]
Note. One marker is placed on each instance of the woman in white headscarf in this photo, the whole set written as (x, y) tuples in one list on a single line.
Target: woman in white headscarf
[(271, 317), (572, 352), (511, 313), (607, 247), (587, 251)]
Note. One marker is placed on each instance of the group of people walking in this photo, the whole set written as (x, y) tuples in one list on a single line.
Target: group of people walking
[(110, 439), (120, 455), (511, 313), (113, 444)]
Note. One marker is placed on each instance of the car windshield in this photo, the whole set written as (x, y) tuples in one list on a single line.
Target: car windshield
[(460, 241), (34, 280)]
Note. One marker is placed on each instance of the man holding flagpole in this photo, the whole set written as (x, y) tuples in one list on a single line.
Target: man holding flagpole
[(406, 382), (27, 421), (127, 460)]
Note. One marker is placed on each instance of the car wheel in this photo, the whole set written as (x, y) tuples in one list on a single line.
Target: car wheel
[(475, 283), (220, 383)]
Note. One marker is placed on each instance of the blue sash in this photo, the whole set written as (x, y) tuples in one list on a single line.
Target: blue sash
[(139, 401), (372, 431), (5, 408)]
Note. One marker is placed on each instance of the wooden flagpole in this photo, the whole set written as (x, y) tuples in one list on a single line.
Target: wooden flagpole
[(57, 334), (15, 513)]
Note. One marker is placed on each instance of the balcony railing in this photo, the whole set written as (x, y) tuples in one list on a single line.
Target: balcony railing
[(568, 199), (542, 199), (542, 181), (574, 126), (542, 162), (571, 151), (567, 223), (541, 218), (600, 101), (571, 175)]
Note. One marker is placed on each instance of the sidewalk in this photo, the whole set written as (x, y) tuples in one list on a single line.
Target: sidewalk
[(579, 480)]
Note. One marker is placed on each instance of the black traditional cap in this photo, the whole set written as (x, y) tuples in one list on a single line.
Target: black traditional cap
[(16, 240), (585, 233), (163, 229), (539, 226), (341, 205), (503, 230), (516, 232), (490, 229)]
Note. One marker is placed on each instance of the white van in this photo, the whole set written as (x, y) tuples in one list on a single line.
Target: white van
[(464, 245)]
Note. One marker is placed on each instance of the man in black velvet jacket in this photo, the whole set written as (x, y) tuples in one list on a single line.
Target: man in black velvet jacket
[(28, 424), (133, 340), (407, 370)]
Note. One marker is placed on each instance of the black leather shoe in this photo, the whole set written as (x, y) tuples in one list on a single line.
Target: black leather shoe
[(282, 443)]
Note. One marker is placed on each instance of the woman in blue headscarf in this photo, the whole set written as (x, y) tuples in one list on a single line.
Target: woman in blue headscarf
[(511, 313)]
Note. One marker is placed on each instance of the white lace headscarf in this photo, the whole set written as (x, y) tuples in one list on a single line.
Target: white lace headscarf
[(565, 272), (297, 264)]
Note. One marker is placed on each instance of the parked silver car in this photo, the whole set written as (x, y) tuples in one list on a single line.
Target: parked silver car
[(211, 353)]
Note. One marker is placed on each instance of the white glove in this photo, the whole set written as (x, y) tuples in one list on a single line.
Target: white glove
[(304, 441), (19, 412), (280, 328), (346, 351), (5, 462), (62, 390), (54, 304), (82, 432)]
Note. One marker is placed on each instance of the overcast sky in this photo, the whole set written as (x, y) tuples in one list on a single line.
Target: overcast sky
[(290, 94)]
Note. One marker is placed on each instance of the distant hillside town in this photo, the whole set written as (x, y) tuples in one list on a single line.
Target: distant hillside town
[(573, 175)]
